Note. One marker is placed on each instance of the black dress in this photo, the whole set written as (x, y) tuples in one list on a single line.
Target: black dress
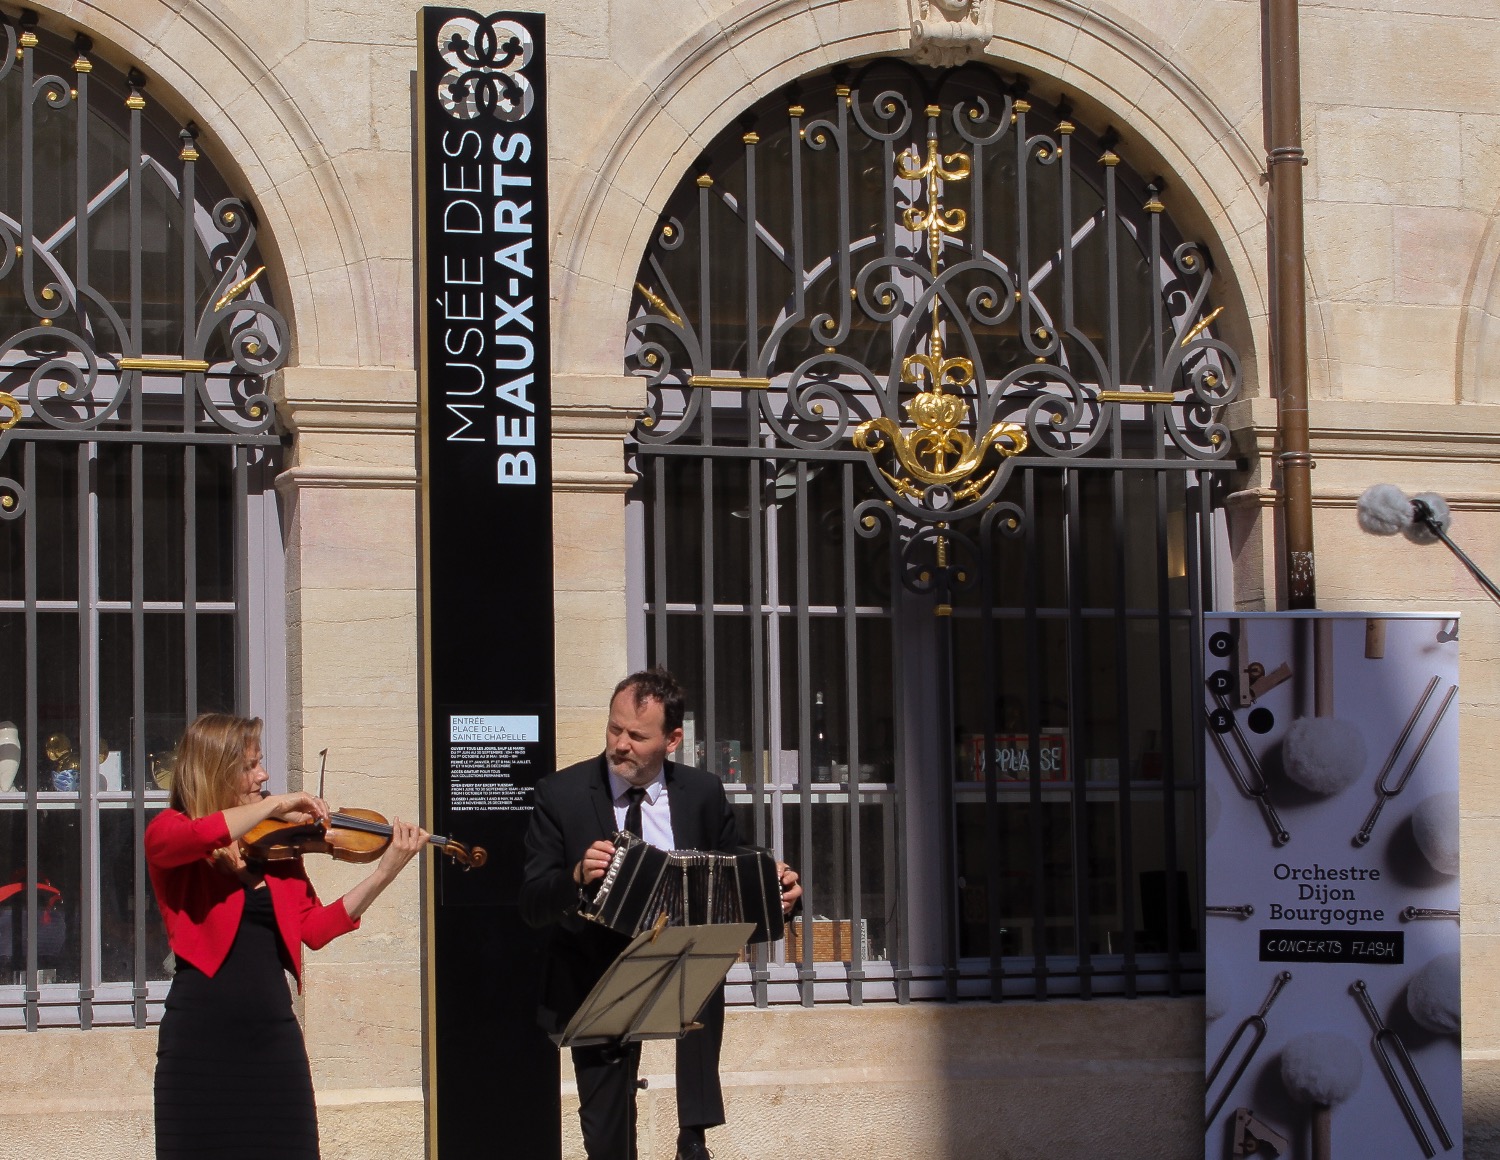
[(232, 1078)]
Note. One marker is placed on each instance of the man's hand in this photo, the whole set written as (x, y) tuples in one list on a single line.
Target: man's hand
[(791, 887), (596, 861)]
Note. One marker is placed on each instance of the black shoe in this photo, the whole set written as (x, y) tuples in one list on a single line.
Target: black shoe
[(693, 1150)]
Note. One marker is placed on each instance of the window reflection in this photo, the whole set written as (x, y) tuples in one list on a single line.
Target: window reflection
[(56, 900)]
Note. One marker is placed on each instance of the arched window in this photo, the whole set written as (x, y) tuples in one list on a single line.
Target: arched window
[(139, 546), (926, 522)]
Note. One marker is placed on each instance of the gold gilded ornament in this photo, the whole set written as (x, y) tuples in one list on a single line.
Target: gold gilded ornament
[(938, 452)]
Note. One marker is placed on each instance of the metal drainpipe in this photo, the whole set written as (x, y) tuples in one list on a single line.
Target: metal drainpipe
[(1284, 161)]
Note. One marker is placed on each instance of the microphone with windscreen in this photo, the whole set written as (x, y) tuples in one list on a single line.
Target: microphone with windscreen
[(1385, 510)]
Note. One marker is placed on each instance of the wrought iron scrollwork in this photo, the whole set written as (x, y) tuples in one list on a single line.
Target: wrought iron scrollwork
[(935, 271), (81, 350)]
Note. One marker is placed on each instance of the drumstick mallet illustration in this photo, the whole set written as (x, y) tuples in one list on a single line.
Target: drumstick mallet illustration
[(1323, 753), (1321, 1069)]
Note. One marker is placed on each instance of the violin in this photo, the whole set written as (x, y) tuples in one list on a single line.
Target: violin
[(350, 835)]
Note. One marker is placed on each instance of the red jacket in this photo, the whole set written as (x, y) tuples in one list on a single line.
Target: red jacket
[(202, 906)]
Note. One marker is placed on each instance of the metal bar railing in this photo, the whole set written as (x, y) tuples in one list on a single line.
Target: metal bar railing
[(88, 737), (1035, 815), (992, 853), (902, 956), (138, 738), (659, 560), (242, 579), (762, 761), (708, 626), (190, 581), (1123, 740), (32, 745), (1079, 701), (852, 726), (1168, 735), (811, 887)]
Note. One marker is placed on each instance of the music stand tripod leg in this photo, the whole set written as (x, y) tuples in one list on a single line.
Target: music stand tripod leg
[(673, 971)]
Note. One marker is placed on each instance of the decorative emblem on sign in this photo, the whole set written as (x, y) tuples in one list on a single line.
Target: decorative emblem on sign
[(939, 453), (485, 59)]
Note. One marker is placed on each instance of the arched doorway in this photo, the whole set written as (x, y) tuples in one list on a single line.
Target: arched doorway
[(926, 518)]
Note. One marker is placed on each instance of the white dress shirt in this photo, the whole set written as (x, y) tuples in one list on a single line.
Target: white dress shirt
[(656, 814)]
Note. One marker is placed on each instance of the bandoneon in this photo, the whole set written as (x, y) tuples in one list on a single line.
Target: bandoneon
[(689, 887)]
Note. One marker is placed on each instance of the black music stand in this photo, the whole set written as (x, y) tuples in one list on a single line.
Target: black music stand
[(657, 986)]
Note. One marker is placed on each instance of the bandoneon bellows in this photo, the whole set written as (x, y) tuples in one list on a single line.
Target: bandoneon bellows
[(689, 887)]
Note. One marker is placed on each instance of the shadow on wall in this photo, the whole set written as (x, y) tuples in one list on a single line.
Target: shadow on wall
[(934, 1081), (1481, 1108)]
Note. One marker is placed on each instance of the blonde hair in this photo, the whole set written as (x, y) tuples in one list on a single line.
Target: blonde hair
[(210, 762)]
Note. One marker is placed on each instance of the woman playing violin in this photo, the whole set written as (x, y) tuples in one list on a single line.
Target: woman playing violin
[(232, 1077)]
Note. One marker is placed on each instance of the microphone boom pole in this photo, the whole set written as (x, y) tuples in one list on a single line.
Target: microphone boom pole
[(1421, 511)]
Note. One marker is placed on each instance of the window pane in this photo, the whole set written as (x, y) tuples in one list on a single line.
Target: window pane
[(117, 928), (112, 474), (12, 534), (161, 521), (215, 663), (1035, 847), (166, 684), (54, 514), (58, 714), (829, 885), (12, 705), (59, 901), (215, 530), (12, 896)]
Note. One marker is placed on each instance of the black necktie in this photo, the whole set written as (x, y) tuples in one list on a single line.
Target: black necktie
[(633, 811)]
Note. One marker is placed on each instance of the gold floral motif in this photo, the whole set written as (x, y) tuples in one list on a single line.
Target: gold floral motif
[(12, 408), (938, 452)]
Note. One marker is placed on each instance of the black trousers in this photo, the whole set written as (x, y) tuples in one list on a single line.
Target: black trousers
[(607, 1078)]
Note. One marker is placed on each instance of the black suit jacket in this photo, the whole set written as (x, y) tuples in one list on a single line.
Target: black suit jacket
[(572, 811)]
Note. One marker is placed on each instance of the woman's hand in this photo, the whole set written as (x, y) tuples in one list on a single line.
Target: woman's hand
[(406, 840), (297, 808)]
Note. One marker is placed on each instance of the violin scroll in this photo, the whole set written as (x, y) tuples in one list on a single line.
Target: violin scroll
[(469, 857)]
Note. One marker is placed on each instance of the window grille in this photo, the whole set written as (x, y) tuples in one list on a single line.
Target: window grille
[(927, 523), (139, 546)]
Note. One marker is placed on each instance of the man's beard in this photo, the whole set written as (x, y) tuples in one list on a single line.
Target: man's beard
[(631, 770)]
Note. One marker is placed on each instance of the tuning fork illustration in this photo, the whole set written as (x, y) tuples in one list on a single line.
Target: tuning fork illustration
[(1413, 913), (1387, 1042), (1254, 1024), (1253, 787), (1383, 792)]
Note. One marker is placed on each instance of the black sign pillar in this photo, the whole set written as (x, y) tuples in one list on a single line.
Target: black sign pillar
[(484, 358)]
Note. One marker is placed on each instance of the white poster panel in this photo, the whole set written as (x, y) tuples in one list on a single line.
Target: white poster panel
[(1331, 816)]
